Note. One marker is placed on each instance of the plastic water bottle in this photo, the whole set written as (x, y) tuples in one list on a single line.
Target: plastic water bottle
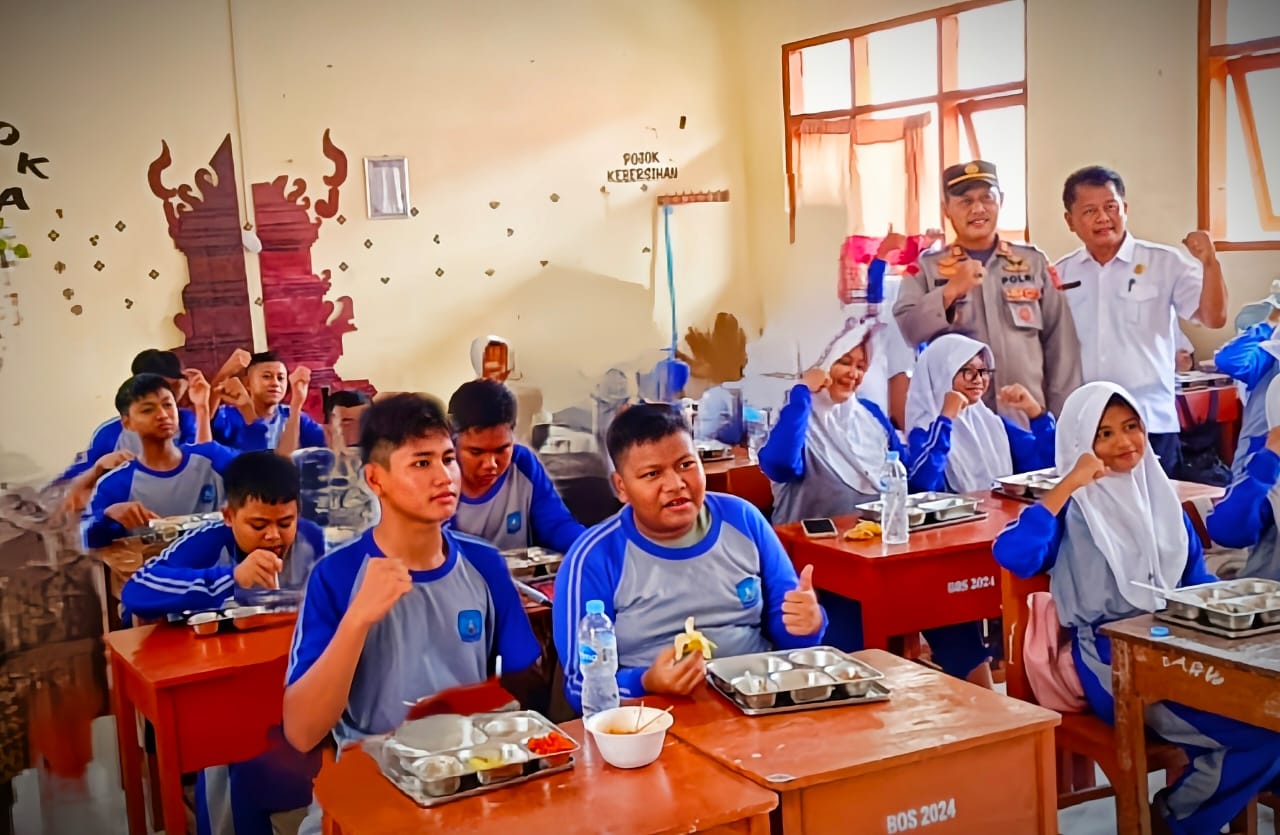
[(598, 658), (893, 501)]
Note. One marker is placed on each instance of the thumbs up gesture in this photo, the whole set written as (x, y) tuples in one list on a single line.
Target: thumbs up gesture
[(801, 614)]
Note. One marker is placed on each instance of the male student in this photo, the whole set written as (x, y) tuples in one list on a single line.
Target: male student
[(111, 436), (995, 291), (164, 479), (507, 497), (342, 413), (255, 416), (1126, 295), (674, 552), (409, 608), (261, 542)]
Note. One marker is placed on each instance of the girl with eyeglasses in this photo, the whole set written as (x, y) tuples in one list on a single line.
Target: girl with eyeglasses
[(957, 443)]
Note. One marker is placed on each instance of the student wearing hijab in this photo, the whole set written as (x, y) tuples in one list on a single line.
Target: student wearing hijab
[(957, 442), (1246, 518), (1112, 522), (824, 456)]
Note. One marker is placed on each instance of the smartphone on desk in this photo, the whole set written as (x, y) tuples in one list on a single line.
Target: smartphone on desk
[(819, 528)]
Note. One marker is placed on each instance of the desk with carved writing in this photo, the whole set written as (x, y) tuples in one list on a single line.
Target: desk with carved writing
[(1237, 678)]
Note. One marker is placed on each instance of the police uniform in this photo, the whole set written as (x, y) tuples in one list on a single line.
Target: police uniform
[(1018, 310)]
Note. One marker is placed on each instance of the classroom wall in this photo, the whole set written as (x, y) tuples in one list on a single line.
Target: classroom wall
[(493, 103), (1108, 82)]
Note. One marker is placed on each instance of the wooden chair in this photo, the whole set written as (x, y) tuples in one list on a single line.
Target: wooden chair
[(1082, 739)]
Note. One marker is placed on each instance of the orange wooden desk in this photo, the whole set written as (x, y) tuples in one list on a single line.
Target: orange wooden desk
[(940, 577), (683, 791), (940, 752), (1238, 678), (742, 478), (211, 700)]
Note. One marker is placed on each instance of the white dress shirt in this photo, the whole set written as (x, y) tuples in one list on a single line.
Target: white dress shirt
[(1126, 313), (890, 353)]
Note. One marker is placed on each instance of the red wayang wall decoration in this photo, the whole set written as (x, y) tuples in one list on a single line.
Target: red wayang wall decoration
[(301, 326), (206, 228)]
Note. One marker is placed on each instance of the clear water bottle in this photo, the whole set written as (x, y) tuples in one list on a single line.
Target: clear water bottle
[(598, 658), (893, 501)]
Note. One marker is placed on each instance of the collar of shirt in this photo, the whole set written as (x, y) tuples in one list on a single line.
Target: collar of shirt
[(1124, 254)]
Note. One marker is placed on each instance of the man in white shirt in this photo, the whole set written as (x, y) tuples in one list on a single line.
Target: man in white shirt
[(1126, 296)]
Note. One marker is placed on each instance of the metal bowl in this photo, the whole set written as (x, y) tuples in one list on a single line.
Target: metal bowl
[(815, 658), (508, 762), (205, 623), (1231, 616), (805, 685), (440, 776), (439, 733), (1252, 586), (755, 691), (513, 727), (1182, 609), (854, 680)]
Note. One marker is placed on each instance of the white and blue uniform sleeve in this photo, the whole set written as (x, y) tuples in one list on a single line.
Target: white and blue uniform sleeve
[(553, 525), (329, 591), (104, 441), (186, 576), (1239, 520), (219, 456), (97, 529), (229, 429), (591, 571), (1032, 449), (782, 456), (777, 574), (1244, 358), (1029, 545), (310, 433), (513, 636), (928, 451)]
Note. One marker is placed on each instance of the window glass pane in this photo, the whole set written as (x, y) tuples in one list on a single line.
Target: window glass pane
[(1249, 20), (1001, 135), (991, 45), (824, 79), (882, 176), (1242, 208), (1264, 92), (903, 62)]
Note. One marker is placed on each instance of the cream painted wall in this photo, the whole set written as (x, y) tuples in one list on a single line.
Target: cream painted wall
[(490, 101), (1108, 82)]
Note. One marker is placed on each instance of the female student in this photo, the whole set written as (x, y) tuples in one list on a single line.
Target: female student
[(1246, 518), (824, 456), (1112, 523), (957, 442)]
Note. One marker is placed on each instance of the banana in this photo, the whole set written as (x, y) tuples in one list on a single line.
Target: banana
[(691, 640)]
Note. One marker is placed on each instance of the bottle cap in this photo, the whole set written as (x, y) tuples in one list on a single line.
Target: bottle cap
[(596, 607), (1159, 632)]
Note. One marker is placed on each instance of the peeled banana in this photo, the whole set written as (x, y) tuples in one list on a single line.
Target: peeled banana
[(691, 640)]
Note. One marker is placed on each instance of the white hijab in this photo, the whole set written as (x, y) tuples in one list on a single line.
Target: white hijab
[(1135, 518), (979, 442), (846, 436)]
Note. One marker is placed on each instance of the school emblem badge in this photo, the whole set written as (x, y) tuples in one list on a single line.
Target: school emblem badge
[(513, 522), (207, 494), (470, 625), (749, 592)]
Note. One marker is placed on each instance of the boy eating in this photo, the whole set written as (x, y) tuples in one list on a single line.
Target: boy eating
[(507, 497), (255, 416), (163, 479), (260, 543), (409, 608), (674, 552)]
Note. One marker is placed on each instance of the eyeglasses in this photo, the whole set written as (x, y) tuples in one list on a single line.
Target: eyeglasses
[(972, 375)]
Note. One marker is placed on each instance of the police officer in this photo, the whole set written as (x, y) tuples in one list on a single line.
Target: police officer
[(1001, 293)]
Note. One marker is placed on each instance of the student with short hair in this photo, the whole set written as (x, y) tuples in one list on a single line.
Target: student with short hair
[(111, 436), (673, 552), (342, 413), (957, 442), (255, 416), (1112, 528), (507, 497), (410, 608), (261, 542), (164, 479)]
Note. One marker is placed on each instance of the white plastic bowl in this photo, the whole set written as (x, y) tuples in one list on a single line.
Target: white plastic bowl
[(629, 750)]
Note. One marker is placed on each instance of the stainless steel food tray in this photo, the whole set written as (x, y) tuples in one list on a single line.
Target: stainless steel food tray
[(1239, 608), (930, 510), (240, 617), (428, 759), (787, 681), (1028, 486), (532, 562)]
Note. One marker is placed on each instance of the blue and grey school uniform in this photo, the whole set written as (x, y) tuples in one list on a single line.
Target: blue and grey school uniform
[(1030, 450), (803, 486), (522, 508), (112, 436), (1244, 359), (446, 632), (230, 429), (197, 571), (194, 486), (732, 581), (1245, 519), (1230, 761)]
